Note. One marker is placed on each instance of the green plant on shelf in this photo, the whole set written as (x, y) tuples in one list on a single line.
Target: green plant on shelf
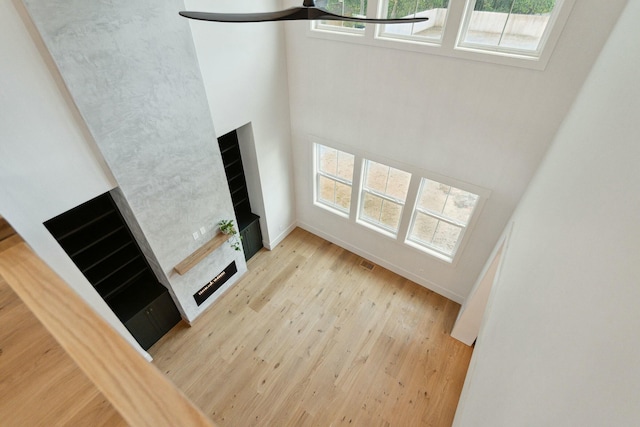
[(226, 226)]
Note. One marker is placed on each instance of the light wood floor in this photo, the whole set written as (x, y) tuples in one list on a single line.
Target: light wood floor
[(309, 337), (40, 385)]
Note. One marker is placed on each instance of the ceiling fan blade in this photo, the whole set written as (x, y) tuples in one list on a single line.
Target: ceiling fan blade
[(280, 15), (328, 16), (294, 13)]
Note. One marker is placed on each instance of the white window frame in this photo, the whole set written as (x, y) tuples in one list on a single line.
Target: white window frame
[(498, 50), (376, 224), (450, 43), (409, 206), (316, 181), (382, 35), (334, 29), (354, 32), (426, 246)]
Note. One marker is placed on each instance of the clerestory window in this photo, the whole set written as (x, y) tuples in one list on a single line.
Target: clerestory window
[(354, 8), (508, 26), (429, 31), (511, 32)]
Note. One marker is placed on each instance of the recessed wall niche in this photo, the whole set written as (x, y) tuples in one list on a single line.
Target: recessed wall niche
[(99, 242), (248, 222)]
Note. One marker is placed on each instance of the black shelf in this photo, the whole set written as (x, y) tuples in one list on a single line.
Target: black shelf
[(87, 224), (236, 190), (89, 244), (82, 214), (226, 149), (98, 241), (108, 255), (95, 253), (105, 275), (239, 202), (232, 163), (122, 286), (248, 224)]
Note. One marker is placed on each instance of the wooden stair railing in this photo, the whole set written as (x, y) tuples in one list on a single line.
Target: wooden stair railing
[(135, 388)]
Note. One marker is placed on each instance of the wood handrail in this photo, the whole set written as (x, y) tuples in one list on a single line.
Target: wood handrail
[(135, 388)]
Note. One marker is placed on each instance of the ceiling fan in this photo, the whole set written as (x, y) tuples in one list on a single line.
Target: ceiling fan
[(308, 11)]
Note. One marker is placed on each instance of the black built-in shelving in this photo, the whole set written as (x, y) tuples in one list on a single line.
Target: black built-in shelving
[(248, 222), (98, 241)]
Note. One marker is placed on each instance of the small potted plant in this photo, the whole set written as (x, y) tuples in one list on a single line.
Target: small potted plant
[(226, 227)]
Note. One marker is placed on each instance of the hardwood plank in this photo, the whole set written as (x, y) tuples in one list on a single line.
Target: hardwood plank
[(10, 242), (39, 383), (98, 412), (309, 337), (5, 229), (134, 387)]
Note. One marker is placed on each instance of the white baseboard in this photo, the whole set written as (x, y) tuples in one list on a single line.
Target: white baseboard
[(275, 242)]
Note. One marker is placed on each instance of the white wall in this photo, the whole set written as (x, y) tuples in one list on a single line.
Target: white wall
[(481, 123), (245, 76), (472, 311), (48, 161), (559, 345)]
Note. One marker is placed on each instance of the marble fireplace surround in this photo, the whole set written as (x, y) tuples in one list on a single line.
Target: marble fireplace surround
[(133, 73)]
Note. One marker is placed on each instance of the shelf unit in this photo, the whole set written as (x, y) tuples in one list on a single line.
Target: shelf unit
[(98, 241), (201, 253), (248, 222)]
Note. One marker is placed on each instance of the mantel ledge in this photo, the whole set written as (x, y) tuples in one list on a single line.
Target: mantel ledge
[(201, 253)]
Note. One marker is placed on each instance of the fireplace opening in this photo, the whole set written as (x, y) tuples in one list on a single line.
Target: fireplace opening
[(214, 284)]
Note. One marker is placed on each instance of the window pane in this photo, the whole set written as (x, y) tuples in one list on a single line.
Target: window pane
[(391, 185), (376, 176), (391, 214), (513, 24), (424, 227), (441, 216), (431, 30), (434, 233), (371, 207), (335, 163), (433, 195), (345, 165), (343, 196), (326, 189), (451, 202), (334, 174), (446, 237), (459, 205), (386, 180), (327, 159), (333, 193), (382, 212), (398, 183), (355, 8)]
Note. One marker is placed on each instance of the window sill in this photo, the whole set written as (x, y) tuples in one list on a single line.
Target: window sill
[(331, 209), (424, 249), (460, 52), (377, 229)]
